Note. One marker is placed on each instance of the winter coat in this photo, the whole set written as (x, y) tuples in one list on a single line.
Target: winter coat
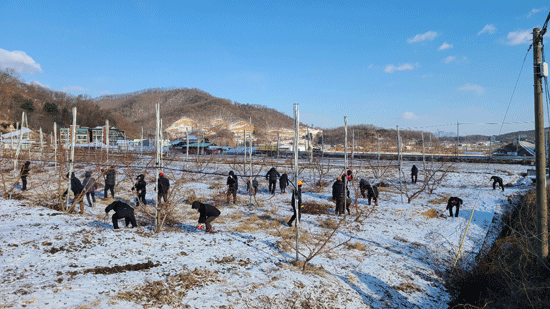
[(25, 170), (299, 195), (232, 182), (454, 201), (141, 186), (414, 170), (110, 177), (89, 182), (283, 180), (163, 185), (338, 190), (76, 185), (363, 184), (123, 210), (272, 174), (372, 191), (207, 210)]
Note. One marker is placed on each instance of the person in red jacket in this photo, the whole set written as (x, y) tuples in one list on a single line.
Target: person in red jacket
[(208, 213)]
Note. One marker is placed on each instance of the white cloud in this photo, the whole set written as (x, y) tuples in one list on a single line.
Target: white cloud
[(449, 59), (471, 87), (519, 37), (74, 89), (445, 46), (428, 36), (19, 61), (409, 116), (488, 29), (533, 12), (36, 83), (390, 68)]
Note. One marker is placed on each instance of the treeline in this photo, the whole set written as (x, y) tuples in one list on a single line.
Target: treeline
[(44, 106)]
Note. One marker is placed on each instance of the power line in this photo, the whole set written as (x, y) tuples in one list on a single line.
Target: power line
[(514, 91)]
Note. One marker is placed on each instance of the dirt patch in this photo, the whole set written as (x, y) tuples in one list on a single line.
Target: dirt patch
[(116, 269), (430, 213)]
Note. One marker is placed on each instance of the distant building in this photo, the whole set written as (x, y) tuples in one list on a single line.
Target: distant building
[(97, 135)]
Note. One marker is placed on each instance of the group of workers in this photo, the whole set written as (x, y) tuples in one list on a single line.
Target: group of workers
[(208, 213)]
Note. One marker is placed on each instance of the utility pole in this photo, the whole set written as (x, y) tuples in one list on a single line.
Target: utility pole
[(542, 207)]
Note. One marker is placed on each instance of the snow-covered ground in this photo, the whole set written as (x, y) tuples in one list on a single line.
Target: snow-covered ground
[(392, 257)]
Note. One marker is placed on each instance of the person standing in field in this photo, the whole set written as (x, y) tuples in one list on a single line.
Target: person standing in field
[(24, 174)]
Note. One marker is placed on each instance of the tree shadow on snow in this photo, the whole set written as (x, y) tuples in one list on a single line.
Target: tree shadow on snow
[(385, 295)]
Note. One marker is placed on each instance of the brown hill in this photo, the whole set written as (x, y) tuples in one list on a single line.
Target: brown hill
[(204, 109)]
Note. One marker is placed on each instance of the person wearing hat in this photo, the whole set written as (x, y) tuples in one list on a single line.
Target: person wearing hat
[(232, 187), (207, 214), (163, 186), (140, 187), (296, 202)]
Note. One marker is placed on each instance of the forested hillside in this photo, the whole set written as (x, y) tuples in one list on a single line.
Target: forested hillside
[(44, 107)]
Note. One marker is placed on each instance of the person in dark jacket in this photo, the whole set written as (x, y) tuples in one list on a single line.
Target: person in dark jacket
[(372, 194), (283, 182), (141, 189), (122, 211), (497, 180), (90, 186), (339, 195), (371, 191), (254, 188), (347, 176), (272, 175), (163, 186), (110, 179), (454, 202), (363, 185), (414, 174), (208, 213), (232, 187), (77, 188), (24, 174), (296, 201)]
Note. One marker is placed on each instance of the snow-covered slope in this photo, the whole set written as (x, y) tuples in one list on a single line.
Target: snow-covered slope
[(392, 257)]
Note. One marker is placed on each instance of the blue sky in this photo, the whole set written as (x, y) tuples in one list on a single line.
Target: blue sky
[(416, 64)]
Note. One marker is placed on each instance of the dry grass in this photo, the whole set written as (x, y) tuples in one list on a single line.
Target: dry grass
[(509, 275), (170, 291), (329, 223), (440, 200), (407, 287), (430, 213), (314, 208), (356, 246)]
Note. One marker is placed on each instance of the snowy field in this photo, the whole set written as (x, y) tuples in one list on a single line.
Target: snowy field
[(391, 256)]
